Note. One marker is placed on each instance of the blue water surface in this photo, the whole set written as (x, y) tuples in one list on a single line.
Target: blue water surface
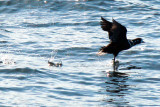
[(68, 32)]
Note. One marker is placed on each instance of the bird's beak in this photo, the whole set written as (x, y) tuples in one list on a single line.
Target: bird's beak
[(142, 41)]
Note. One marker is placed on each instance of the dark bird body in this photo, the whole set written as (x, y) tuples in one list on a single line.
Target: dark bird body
[(118, 39)]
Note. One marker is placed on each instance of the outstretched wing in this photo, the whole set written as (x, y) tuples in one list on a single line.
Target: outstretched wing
[(116, 31)]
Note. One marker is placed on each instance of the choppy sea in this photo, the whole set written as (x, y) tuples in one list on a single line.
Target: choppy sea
[(68, 32)]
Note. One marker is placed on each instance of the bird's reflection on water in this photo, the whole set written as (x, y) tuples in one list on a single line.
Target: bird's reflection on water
[(117, 86), (116, 74)]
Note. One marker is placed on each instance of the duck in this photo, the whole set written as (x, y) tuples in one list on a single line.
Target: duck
[(117, 34), (59, 64)]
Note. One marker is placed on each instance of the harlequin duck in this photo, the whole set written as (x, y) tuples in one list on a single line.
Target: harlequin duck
[(118, 40)]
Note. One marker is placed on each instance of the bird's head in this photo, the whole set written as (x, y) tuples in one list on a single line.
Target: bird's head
[(138, 41)]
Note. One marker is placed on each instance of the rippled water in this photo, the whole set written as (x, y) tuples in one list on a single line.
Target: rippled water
[(68, 31)]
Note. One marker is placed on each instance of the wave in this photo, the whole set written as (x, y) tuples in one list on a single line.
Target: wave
[(20, 70), (11, 6), (38, 25)]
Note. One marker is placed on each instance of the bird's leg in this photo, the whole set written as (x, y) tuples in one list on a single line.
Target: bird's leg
[(114, 65), (114, 59)]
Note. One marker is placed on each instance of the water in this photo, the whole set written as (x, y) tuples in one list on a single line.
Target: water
[(35, 31)]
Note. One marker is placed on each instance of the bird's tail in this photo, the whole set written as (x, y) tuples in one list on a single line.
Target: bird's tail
[(101, 51)]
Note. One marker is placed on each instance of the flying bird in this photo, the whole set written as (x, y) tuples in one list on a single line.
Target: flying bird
[(118, 39)]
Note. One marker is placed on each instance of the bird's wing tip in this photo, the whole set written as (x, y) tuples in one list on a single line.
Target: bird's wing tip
[(102, 18), (113, 20)]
